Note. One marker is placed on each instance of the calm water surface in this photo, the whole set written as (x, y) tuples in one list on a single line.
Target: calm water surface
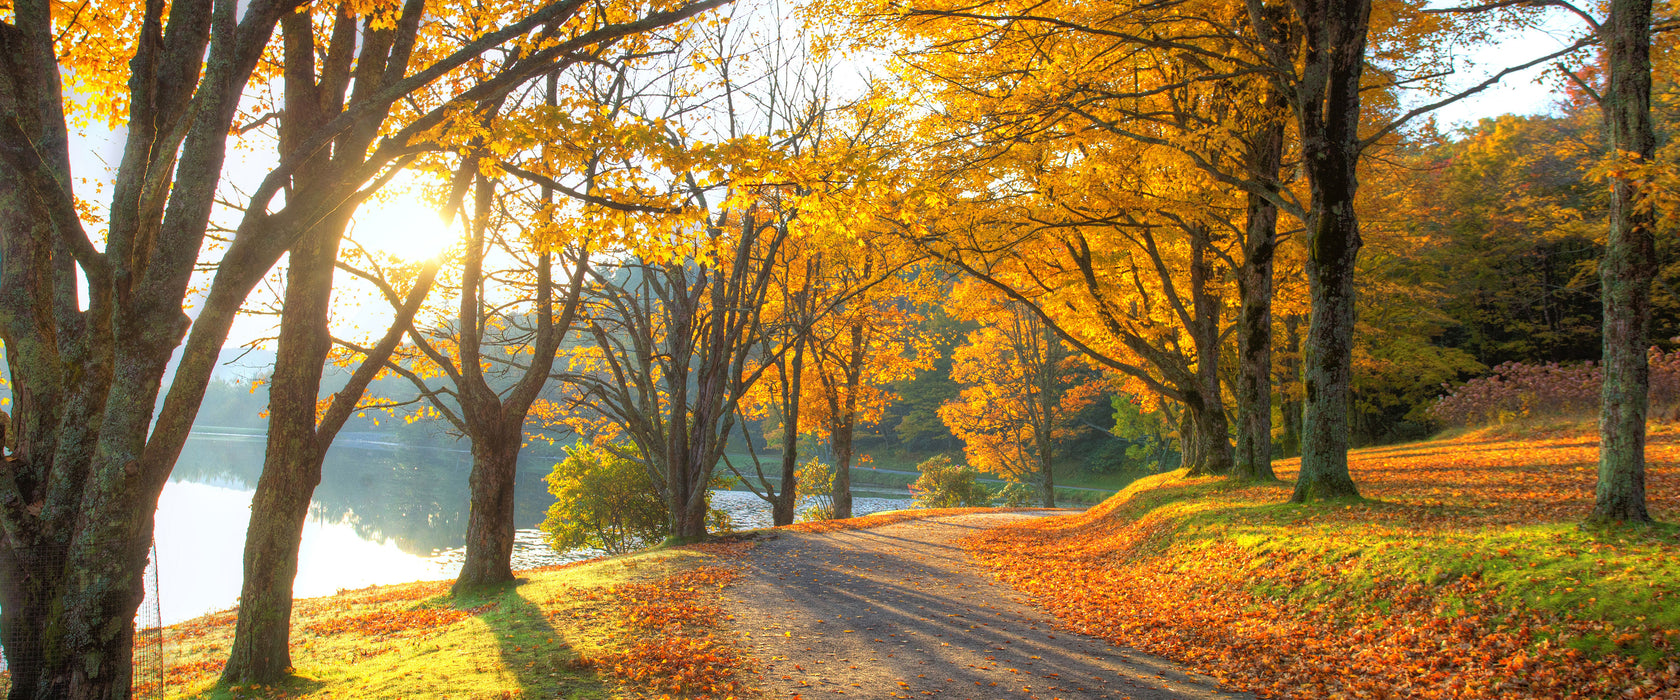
[(384, 513)]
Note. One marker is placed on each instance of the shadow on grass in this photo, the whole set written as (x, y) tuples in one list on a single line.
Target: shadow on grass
[(1654, 533), (530, 647)]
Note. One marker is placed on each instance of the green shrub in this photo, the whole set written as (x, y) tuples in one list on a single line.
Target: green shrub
[(1018, 495), (816, 483), (603, 500), (947, 485)]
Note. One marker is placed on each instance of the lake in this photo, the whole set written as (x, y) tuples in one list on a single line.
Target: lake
[(384, 513)]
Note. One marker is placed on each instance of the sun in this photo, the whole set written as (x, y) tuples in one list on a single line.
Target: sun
[(404, 225)]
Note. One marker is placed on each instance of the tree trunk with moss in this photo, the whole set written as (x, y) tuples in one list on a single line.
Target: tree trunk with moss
[(1327, 108), (1626, 271), (1254, 284), (1289, 407), (1213, 430)]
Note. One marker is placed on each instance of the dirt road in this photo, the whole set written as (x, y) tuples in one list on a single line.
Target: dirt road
[(901, 611)]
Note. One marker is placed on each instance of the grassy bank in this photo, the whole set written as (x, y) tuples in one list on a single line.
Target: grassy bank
[(1464, 574), (637, 626)]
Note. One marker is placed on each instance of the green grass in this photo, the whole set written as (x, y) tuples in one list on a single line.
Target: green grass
[(1626, 578), (521, 640)]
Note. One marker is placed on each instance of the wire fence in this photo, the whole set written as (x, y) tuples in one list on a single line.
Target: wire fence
[(147, 680)]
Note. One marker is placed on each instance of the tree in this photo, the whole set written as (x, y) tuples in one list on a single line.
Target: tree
[(867, 341), (1628, 266), (1512, 216), (1059, 76), (784, 352), (1023, 385), (1147, 430), (944, 484), (1629, 263), (78, 494), (691, 315), (669, 365), (828, 278)]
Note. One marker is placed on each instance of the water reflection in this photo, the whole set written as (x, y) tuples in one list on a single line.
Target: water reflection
[(412, 495), (201, 542), (384, 513)]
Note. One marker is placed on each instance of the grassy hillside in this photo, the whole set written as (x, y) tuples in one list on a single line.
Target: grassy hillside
[(1464, 574), (638, 625)]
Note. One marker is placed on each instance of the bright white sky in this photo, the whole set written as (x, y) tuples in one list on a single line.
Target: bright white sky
[(403, 224), (1519, 93)]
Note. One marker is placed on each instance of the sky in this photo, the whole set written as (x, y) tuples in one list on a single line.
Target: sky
[(1518, 93)]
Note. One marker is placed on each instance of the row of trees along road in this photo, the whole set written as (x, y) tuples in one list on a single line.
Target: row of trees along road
[(678, 220), (1101, 161)]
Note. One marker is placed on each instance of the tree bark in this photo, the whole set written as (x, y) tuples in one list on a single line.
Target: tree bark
[(291, 465), (1047, 480), (1212, 429), (784, 508), (1328, 362), (1288, 407), (1626, 271), (1048, 379), (844, 407), (1327, 106), (840, 440), (490, 523), (1189, 435), (1254, 325)]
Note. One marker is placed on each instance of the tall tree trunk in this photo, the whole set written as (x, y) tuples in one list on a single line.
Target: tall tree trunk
[(1048, 379), (291, 465), (1328, 362), (845, 423), (840, 440), (1327, 106), (1047, 473), (1627, 269), (1212, 429), (1189, 435), (1254, 325), (490, 523), (783, 510), (1288, 406), (1049, 401)]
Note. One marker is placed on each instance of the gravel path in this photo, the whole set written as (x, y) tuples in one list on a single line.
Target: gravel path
[(900, 611)]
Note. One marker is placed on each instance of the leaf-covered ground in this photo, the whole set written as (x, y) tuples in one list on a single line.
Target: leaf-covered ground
[(1464, 575), (641, 626), (896, 611)]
